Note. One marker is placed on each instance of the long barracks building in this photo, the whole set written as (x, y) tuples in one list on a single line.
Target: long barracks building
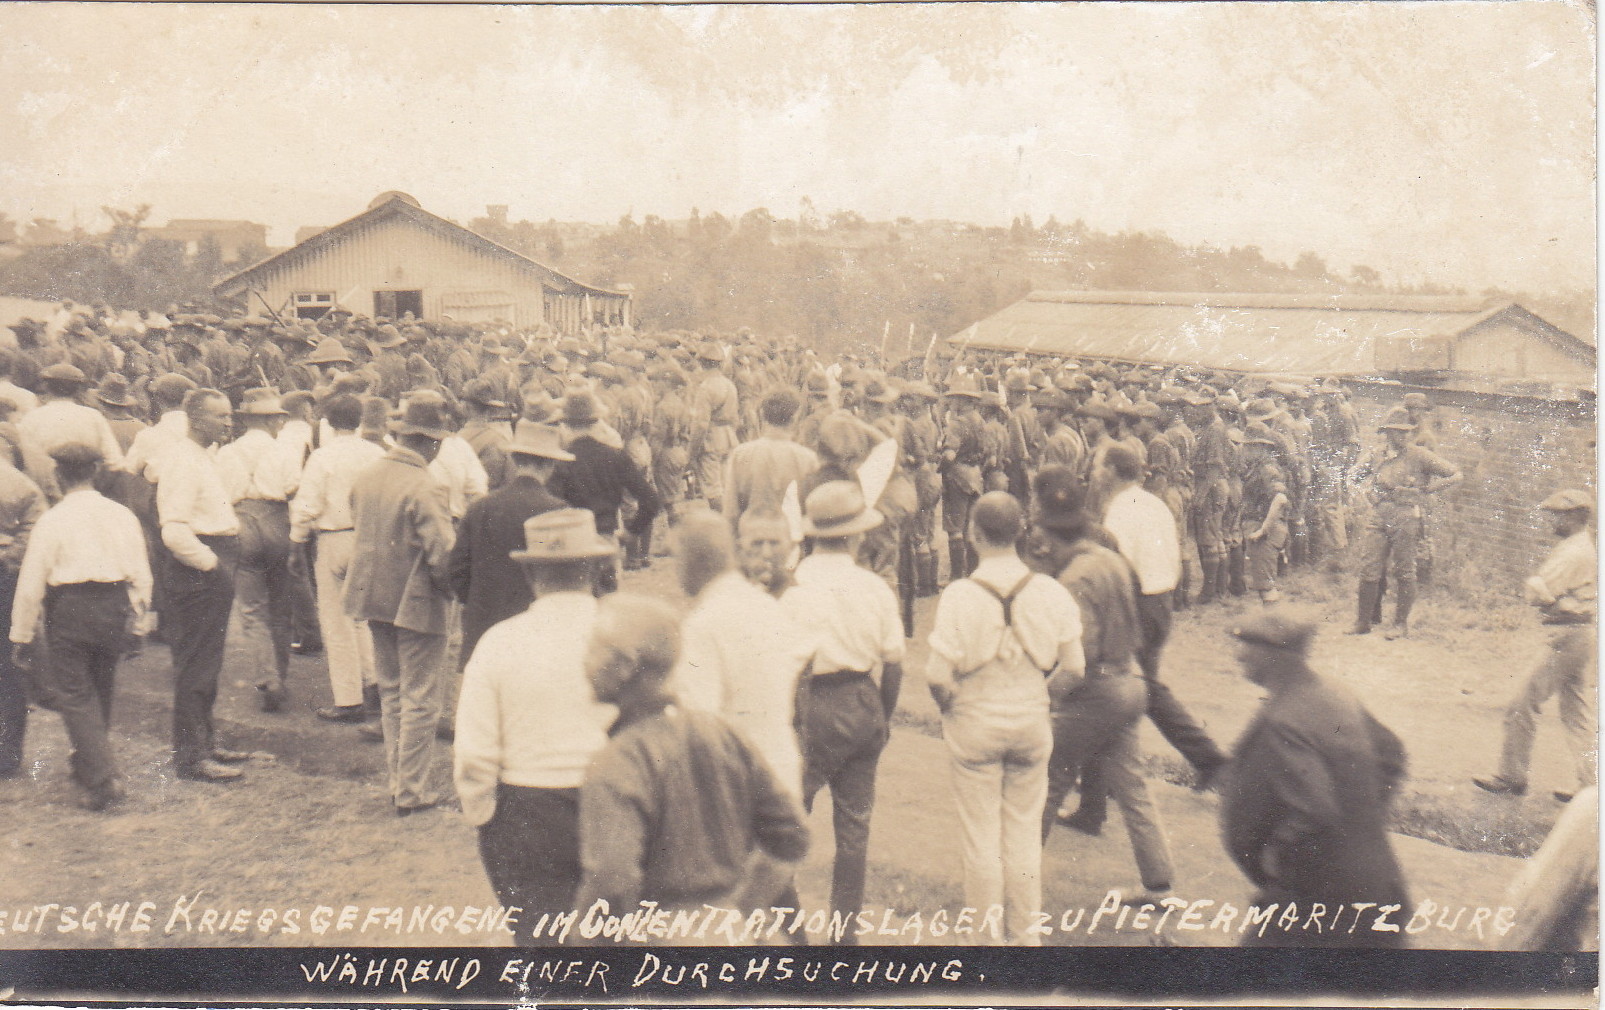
[(1514, 394)]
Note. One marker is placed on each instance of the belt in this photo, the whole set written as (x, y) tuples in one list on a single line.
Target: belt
[(839, 677), (343, 529), (1101, 670)]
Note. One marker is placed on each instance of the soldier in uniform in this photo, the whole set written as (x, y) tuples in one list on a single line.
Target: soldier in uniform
[(715, 410), (963, 454), (1025, 434), (486, 431), (1211, 490), (1401, 475), (920, 439)]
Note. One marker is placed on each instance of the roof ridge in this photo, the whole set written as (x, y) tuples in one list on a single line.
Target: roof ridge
[(1274, 300)]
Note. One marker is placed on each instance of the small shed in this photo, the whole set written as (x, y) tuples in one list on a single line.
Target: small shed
[(395, 257)]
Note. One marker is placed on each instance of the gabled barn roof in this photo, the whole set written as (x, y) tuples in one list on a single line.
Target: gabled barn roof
[(1310, 334), (398, 205)]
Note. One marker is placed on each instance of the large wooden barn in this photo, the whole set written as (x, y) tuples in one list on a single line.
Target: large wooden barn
[(1432, 341), (395, 257)]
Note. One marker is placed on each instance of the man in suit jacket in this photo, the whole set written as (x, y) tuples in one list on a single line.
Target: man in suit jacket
[(599, 477), (398, 584), (492, 586), (1304, 808)]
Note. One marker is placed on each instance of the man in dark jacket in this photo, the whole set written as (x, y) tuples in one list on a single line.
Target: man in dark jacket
[(492, 586), (1304, 805), (598, 478)]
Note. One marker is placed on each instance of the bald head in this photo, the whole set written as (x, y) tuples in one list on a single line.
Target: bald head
[(704, 550), (634, 644), (997, 520)]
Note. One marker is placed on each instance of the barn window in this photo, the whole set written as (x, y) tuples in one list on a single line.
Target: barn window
[(313, 304), (395, 304)]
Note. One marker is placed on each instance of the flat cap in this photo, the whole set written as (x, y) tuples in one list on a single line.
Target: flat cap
[(1568, 500), (1277, 628)]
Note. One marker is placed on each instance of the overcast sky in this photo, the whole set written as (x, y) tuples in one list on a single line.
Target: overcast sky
[(1445, 141)]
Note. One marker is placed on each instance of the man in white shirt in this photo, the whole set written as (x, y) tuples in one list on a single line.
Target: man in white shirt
[(60, 420), (299, 436), (1145, 530), (85, 576), (322, 508), (1002, 637), (857, 672), (201, 534), (528, 724), (740, 654), (1563, 591), (260, 474)]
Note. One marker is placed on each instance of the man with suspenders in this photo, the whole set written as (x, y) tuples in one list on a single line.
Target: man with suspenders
[(1003, 638)]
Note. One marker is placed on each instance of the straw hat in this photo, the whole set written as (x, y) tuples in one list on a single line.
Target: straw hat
[(837, 509)]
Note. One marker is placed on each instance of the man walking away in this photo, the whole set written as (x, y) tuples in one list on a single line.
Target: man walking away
[(490, 584), (1304, 803), (527, 724), (86, 574), (857, 673), (998, 635), (679, 810), (322, 506), (1096, 716), (260, 475), (598, 478), (1564, 591), (397, 583), (21, 505)]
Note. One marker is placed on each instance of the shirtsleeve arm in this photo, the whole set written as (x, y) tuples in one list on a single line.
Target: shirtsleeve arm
[(28, 603), (478, 745), (175, 502)]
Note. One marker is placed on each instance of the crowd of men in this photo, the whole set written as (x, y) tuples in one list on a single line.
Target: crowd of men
[(442, 510)]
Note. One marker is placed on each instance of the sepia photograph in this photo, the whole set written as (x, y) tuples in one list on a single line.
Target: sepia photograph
[(806, 504)]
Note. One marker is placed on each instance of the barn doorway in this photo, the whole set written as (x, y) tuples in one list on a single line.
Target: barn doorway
[(395, 304)]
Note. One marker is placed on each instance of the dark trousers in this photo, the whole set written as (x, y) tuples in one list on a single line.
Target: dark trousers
[(198, 605), (13, 691), (265, 589), (1175, 723), (531, 852), (86, 631), (846, 730), (304, 627)]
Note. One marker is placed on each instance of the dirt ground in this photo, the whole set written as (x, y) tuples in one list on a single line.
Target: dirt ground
[(311, 826)]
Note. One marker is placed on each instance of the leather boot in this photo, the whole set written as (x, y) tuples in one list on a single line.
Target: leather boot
[(1236, 559), (926, 566), (1404, 597), (1376, 606), (1211, 580), (958, 555), (370, 701), (1365, 608)]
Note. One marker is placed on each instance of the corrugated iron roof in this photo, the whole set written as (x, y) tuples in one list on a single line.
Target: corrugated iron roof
[(1323, 335), (401, 205)]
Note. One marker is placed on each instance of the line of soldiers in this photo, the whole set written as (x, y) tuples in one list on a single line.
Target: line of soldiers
[(1219, 448), (1253, 471)]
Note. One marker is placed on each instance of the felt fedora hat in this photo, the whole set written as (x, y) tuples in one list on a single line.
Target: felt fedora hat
[(541, 440), (562, 535), (425, 414)]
